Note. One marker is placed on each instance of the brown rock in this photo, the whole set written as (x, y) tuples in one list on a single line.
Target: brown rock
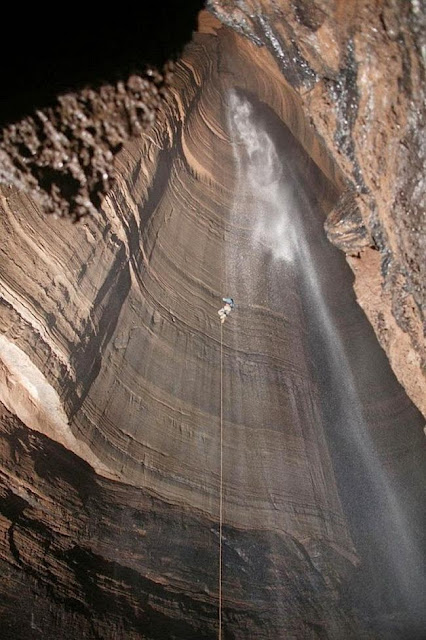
[(110, 378), (359, 71)]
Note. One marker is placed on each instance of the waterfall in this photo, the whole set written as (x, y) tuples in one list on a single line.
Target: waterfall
[(274, 214)]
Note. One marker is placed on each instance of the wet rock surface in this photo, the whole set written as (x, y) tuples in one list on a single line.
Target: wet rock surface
[(360, 74)]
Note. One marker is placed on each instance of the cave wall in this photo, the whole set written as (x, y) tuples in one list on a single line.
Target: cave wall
[(122, 323), (359, 72), (109, 515), (111, 352)]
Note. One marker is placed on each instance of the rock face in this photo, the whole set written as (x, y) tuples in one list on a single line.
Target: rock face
[(76, 89), (360, 74), (63, 155), (111, 356)]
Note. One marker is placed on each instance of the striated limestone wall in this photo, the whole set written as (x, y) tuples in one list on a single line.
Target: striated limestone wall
[(110, 391), (358, 69), (111, 349), (128, 336)]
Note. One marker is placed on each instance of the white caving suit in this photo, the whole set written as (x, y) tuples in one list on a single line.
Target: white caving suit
[(224, 312)]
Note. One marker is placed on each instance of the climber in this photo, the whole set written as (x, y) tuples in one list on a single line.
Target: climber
[(226, 309)]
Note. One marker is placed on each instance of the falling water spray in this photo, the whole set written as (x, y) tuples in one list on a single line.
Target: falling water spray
[(279, 217)]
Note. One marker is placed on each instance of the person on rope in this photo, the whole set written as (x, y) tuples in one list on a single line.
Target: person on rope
[(226, 309)]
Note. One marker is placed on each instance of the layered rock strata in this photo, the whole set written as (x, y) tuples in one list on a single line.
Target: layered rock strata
[(359, 72), (111, 398)]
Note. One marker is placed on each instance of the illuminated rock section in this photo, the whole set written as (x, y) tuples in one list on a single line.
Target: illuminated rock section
[(110, 387), (359, 72)]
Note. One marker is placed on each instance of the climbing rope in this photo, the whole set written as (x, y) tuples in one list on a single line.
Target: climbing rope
[(221, 483)]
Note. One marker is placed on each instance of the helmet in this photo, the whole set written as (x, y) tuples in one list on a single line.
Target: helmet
[(229, 301)]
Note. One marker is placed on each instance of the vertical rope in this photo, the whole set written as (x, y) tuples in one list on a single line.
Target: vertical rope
[(221, 482)]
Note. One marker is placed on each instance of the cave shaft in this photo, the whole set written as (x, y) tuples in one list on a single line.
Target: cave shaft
[(111, 385)]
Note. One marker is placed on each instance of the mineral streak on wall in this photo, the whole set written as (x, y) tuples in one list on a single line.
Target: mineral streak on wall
[(110, 391)]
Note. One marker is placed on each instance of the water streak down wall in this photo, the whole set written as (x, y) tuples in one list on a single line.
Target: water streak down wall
[(119, 315)]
